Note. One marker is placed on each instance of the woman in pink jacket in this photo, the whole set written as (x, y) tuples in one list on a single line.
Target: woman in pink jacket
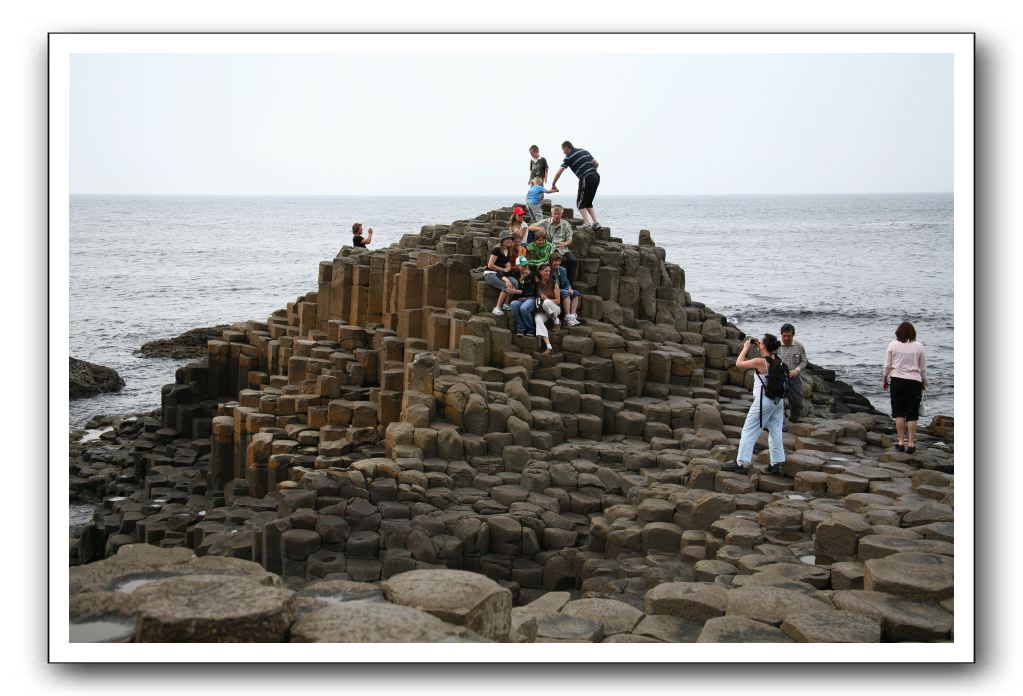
[(904, 372)]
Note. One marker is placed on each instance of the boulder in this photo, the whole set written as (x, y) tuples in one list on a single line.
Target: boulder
[(86, 379), (456, 596)]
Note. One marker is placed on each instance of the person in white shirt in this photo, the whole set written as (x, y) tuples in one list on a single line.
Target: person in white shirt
[(905, 373)]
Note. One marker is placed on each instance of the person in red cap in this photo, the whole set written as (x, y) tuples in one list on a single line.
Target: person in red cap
[(517, 228)]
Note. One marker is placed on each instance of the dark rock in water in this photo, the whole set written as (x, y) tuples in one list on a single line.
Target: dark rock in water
[(86, 379), (191, 344)]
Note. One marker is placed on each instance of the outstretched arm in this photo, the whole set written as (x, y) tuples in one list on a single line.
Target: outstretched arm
[(557, 175)]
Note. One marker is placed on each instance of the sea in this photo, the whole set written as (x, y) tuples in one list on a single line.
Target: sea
[(844, 269)]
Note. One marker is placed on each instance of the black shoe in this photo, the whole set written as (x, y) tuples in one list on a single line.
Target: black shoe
[(774, 470), (734, 467), (911, 450), (900, 448)]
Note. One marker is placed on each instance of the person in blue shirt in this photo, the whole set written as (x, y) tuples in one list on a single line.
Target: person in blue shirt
[(534, 199), (569, 296)]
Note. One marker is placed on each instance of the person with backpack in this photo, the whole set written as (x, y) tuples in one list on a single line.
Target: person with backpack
[(770, 383)]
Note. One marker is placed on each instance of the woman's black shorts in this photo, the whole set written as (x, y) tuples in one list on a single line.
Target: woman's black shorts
[(906, 395), (587, 190)]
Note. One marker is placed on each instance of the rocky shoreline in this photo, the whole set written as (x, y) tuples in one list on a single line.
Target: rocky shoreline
[(383, 460)]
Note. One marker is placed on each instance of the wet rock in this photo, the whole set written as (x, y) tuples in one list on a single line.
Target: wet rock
[(86, 379), (212, 609), (458, 597), (190, 344)]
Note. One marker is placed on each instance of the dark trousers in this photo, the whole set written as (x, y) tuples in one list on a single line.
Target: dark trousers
[(796, 399), (570, 262)]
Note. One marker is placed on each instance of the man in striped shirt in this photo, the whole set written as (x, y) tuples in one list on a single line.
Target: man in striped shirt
[(793, 355), (584, 167)]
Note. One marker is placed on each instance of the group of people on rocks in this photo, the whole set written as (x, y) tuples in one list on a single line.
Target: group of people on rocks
[(783, 362), (533, 269)]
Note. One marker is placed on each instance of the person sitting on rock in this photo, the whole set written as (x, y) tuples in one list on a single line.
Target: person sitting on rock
[(522, 307), (538, 252), (569, 297), (517, 228), (546, 306), (500, 272), (357, 239), (559, 232), (764, 412)]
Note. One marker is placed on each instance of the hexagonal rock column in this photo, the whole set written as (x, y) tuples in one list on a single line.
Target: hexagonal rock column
[(910, 574), (212, 609), (376, 623), (456, 596)]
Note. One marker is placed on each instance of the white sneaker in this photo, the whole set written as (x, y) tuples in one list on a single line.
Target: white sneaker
[(557, 322), (506, 307), (571, 321), (497, 311)]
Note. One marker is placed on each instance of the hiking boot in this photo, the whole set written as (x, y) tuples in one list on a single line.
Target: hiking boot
[(774, 470), (735, 467)]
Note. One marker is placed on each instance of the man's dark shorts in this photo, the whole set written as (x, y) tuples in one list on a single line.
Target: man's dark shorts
[(587, 190)]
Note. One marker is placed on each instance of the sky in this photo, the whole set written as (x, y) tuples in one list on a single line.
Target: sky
[(444, 124)]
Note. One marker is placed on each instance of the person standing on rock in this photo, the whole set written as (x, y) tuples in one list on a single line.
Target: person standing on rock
[(793, 353), (764, 412), (904, 367), (559, 233), (537, 165), (584, 167), (357, 239)]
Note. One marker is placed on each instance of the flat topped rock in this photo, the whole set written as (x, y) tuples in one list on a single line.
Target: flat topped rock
[(832, 627), (212, 609), (769, 604), (569, 629), (901, 618), (738, 629), (359, 622), (692, 601), (613, 616), (911, 574), (456, 596)]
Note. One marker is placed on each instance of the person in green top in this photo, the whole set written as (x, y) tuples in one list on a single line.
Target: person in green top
[(539, 250)]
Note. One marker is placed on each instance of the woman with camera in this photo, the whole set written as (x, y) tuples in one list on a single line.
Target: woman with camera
[(904, 367), (764, 412)]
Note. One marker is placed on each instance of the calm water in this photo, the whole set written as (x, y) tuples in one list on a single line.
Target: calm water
[(844, 269)]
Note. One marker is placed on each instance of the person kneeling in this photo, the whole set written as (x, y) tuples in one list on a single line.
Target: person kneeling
[(767, 409)]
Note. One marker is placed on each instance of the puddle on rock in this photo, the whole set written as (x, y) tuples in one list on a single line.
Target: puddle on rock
[(95, 433), (795, 496), (102, 631), (133, 582), (808, 559)]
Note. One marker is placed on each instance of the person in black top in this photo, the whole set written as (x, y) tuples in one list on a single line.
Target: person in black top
[(537, 165), (584, 167), (357, 239)]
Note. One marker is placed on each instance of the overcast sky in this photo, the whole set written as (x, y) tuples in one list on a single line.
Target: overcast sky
[(462, 124)]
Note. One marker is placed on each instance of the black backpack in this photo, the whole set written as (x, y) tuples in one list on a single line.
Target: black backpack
[(777, 384)]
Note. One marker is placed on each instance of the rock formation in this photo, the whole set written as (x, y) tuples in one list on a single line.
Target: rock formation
[(86, 379), (386, 433), (190, 344)]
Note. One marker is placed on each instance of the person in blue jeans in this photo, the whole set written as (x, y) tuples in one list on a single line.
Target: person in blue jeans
[(764, 412), (569, 297), (523, 307)]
